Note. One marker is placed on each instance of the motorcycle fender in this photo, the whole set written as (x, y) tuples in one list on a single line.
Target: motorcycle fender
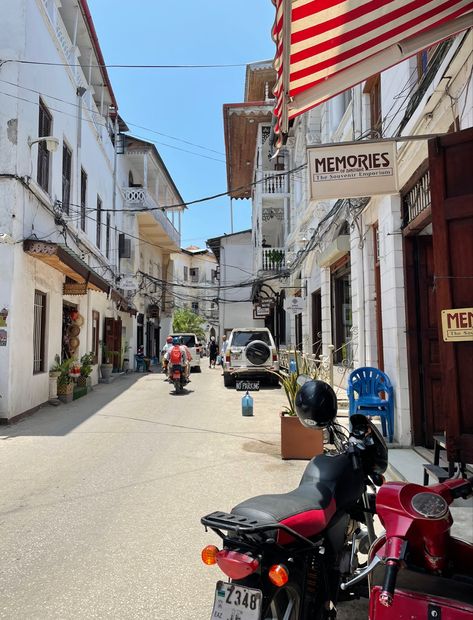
[(407, 605)]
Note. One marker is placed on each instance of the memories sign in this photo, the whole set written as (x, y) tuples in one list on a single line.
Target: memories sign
[(353, 170)]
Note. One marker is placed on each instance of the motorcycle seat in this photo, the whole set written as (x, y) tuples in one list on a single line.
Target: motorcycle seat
[(307, 510)]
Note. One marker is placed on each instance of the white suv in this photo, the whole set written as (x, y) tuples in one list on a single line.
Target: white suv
[(251, 353), (192, 343)]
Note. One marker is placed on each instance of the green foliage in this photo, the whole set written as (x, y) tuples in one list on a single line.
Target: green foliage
[(289, 382), (186, 321), (64, 369), (56, 367), (86, 362), (275, 256), (107, 355)]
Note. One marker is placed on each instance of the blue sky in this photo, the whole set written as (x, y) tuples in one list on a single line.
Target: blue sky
[(186, 103)]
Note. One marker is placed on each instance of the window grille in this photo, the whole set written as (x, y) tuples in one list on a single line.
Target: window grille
[(66, 177), (107, 237), (417, 199), (39, 331), (83, 197), (99, 222), (44, 129)]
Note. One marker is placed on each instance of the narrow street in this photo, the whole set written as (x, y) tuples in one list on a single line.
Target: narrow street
[(101, 502)]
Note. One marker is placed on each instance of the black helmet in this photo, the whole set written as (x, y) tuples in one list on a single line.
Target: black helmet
[(316, 404)]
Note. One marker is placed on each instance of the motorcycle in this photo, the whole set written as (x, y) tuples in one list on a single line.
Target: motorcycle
[(417, 569), (177, 377), (286, 555)]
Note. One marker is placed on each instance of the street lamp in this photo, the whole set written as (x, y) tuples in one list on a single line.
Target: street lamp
[(51, 142), (6, 239)]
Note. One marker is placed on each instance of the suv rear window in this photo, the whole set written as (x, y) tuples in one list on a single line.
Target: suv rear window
[(188, 341), (241, 339)]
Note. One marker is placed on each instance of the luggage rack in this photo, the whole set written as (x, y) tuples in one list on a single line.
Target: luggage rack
[(243, 526)]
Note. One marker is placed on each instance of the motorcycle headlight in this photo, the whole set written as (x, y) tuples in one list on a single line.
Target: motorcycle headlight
[(429, 505)]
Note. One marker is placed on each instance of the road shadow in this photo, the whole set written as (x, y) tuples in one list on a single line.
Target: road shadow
[(57, 421)]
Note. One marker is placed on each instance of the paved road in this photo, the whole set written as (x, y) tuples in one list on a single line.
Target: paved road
[(101, 499)]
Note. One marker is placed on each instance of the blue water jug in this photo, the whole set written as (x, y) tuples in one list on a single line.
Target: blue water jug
[(292, 366), (247, 405)]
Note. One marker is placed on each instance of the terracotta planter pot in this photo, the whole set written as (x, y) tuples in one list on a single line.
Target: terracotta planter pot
[(297, 441)]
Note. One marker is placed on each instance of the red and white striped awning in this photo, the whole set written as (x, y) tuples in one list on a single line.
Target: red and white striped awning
[(324, 47)]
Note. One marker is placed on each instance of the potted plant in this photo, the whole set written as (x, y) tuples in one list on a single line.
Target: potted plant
[(124, 356), (106, 366), (55, 369), (297, 441), (65, 383), (86, 362)]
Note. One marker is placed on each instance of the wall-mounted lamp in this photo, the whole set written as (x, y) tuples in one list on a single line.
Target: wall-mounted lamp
[(51, 142), (6, 239)]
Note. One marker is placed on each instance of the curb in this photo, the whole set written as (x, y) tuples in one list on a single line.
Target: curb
[(394, 475)]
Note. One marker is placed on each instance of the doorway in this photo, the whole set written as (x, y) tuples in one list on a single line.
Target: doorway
[(317, 323), (341, 311), (423, 345)]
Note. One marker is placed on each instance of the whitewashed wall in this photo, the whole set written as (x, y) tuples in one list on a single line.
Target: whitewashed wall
[(236, 257)]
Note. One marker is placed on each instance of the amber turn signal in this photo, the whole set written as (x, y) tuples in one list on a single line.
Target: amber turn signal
[(209, 555), (278, 575)]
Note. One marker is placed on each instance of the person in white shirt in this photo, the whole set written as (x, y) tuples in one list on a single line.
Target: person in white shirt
[(223, 350)]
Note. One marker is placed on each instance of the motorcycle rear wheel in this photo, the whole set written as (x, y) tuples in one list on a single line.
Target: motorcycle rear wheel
[(285, 604)]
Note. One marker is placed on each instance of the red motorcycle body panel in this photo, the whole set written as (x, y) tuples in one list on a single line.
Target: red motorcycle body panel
[(308, 523), (408, 605)]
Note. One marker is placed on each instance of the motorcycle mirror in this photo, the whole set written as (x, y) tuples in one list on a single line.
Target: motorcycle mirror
[(302, 379), (359, 425)]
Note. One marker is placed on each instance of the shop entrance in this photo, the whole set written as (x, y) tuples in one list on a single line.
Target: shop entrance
[(341, 310), (70, 330), (113, 341), (317, 323)]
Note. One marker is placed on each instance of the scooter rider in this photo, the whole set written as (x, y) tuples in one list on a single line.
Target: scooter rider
[(185, 356), (167, 347)]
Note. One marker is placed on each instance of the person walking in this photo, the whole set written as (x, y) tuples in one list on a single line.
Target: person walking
[(213, 352), (223, 350)]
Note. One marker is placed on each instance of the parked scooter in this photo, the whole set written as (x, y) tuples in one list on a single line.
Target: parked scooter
[(416, 569), (286, 555)]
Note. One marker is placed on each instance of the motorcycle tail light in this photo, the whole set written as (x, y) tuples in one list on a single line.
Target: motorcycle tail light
[(209, 555), (275, 357), (236, 565), (278, 575)]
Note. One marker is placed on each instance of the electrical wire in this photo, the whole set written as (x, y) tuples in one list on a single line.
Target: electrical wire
[(125, 66)]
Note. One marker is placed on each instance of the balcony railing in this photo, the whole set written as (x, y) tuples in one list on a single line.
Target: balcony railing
[(273, 259), (140, 198), (274, 182)]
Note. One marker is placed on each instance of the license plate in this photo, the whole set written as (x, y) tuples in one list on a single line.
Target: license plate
[(236, 355), (247, 386), (233, 602), (176, 375)]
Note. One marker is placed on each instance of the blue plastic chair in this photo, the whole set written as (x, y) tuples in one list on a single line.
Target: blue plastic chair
[(140, 365), (365, 386)]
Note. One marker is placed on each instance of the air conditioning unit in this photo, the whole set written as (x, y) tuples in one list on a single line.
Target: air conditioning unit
[(124, 246)]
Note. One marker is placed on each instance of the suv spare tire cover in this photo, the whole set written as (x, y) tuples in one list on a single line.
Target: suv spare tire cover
[(257, 352)]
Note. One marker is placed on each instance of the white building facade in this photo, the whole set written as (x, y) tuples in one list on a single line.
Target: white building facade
[(354, 258), (68, 230)]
